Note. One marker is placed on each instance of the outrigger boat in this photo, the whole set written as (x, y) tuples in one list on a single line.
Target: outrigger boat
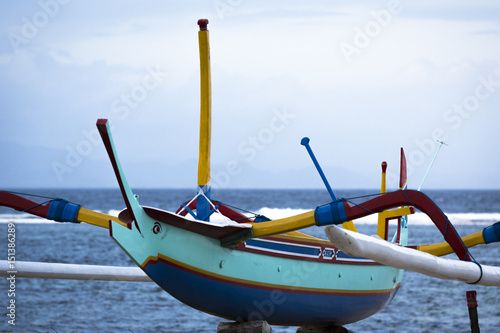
[(220, 261)]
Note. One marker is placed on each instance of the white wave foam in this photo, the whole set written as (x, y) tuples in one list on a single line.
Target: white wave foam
[(22, 218), (114, 212), (28, 218), (279, 213)]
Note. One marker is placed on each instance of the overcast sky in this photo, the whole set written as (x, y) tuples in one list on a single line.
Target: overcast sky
[(361, 80)]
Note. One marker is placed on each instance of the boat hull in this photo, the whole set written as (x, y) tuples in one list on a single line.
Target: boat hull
[(278, 305), (246, 283)]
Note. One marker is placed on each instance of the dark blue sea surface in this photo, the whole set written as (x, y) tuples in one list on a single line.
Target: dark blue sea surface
[(423, 304)]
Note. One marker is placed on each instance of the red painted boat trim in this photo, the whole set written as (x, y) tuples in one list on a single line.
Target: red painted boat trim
[(198, 227), (103, 131)]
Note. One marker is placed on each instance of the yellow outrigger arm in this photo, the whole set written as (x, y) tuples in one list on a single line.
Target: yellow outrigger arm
[(304, 220), (284, 225), (341, 211), (308, 219), (96, 218), (487, 235)]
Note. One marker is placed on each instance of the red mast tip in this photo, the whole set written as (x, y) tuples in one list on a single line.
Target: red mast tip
[(384, 166), (203, 24)]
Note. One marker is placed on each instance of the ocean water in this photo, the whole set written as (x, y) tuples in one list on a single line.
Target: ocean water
[(423, 304)]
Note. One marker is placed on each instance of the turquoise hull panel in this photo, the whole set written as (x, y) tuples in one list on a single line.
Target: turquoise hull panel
[(238, 284)]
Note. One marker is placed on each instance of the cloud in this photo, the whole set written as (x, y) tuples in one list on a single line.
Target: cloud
[(424, 70), (455, 11), (89, 60), (487, 32)]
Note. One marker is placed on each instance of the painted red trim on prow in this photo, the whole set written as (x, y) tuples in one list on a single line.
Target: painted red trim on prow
[(106, 138)]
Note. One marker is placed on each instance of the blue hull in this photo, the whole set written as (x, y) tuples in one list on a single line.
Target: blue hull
[(284, 280), (278, 306)]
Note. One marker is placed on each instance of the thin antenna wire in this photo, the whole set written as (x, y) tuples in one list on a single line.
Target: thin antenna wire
[(432, 163)]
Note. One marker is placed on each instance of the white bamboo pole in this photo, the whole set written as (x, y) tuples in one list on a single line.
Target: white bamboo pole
[(390, 254), (44, 270)]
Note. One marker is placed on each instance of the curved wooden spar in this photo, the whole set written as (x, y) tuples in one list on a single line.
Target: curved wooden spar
[(341, 211), (58, 210), (203, 205), (390, 254)]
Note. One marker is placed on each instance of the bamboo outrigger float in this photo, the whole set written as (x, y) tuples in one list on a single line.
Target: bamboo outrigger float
[(220, 261)]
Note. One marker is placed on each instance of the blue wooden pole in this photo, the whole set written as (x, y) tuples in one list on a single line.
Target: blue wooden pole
[(305, 143)]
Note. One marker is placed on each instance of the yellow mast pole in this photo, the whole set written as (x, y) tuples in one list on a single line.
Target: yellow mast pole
[(381, 228), (203, 205)]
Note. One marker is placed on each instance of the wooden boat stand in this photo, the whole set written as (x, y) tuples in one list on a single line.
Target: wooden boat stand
[(263, 327)]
